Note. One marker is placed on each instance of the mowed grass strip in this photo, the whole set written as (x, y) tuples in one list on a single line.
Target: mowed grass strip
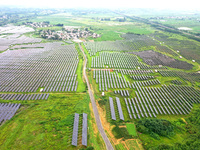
[(131, 129)]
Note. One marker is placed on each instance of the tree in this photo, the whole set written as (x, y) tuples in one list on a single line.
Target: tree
[(56, 37)]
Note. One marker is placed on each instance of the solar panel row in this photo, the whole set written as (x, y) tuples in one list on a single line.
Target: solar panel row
[(121, 116), (112, 109), (7, 111), (84, 129), (43, 96)]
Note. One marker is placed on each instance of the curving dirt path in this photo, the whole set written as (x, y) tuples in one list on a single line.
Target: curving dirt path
[(95, 110)]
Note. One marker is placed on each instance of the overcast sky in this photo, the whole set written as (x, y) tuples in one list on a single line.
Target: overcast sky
[(163, 4)]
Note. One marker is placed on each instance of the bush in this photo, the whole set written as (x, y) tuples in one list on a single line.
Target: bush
[(164, 147), (102, 102), (155, 136), (121, 133), (160, 127)]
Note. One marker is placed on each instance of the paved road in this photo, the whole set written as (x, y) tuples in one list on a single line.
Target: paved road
[(95, 110)]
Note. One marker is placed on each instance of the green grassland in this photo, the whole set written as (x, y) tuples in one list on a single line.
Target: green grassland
[(58, 19), (131, 129), (47, 124), (111, 30), (190, 23)]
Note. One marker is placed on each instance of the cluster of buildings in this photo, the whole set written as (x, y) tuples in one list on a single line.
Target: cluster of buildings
[(68, 33)]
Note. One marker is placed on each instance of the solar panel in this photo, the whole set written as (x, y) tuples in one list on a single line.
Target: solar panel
[(47, 96), (131, 107), (121, 116), (84, 130), (75, 130), (7, 111), (128, 108), (112, 109)]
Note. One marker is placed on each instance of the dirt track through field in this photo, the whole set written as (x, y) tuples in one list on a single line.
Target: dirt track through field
[(95, 110)]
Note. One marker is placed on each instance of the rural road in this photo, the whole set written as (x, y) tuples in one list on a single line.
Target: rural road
[(95, 110)]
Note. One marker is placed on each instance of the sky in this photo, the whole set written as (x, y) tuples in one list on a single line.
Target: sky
[(161, 4)]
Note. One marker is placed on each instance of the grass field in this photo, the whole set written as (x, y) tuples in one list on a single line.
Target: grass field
[(131, 129), (81, 84), (190, 23), (47, 124), (111, 31), (61, 18)]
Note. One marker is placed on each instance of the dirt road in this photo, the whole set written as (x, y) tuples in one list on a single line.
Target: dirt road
[(95, 110)]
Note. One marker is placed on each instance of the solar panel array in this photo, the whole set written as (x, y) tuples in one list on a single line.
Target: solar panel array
[(84, 130), (122, 92), (108, 79), (13, 35), (121, 115), (127, 106), (165, 100), (130, 44), (75, 130), (119, 60), (76, 127), (16, 96), (7, 111), (132, 110), (112, 108), (191, 77), (53, 67)]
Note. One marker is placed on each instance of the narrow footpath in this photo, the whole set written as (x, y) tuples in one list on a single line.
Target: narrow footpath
[(95, 110)]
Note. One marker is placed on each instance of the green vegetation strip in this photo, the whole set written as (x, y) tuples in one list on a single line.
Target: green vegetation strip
[(131, 129)]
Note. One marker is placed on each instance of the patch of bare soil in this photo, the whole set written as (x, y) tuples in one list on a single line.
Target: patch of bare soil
[(154, 58)]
